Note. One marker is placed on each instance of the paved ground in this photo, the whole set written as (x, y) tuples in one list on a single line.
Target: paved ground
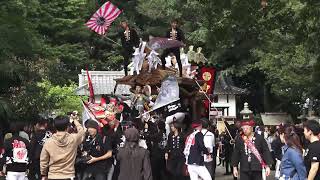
[(221, 170), (219, 175)]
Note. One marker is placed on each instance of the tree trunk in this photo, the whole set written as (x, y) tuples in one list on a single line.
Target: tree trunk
[(266, 98)]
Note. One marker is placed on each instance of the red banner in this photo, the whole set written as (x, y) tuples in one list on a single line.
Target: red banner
[(208, 76)]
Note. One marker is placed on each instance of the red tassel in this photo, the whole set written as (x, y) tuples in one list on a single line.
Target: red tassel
[(91, 99)]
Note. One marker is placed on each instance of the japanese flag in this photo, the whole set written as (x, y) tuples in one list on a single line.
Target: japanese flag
[(103, 17)]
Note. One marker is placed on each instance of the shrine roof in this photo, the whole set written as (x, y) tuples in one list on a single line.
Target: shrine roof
[(275, 118), (224, 85), (103, 83)]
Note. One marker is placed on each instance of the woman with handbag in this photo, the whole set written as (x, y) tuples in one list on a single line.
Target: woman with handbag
[(174, 154), (292, 165)]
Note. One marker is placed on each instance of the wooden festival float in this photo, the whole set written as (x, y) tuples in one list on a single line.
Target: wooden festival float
[(109, 107), (189, 90)]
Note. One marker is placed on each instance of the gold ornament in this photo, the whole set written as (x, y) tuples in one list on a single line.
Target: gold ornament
[(206, 76)]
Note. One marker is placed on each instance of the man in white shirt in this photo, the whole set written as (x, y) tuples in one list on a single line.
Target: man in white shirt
[(209, 142)]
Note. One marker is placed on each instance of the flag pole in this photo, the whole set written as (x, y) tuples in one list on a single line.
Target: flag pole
[(227, 129), (214, 108), (210, 102), (204, 92), (112, 40)]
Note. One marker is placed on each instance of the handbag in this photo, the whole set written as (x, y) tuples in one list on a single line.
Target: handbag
[(82, 160), (85, 157)]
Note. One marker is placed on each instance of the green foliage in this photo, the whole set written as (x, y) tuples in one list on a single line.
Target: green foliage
[(287, 70), (48, 40), (274, 52), (160, 9), (58, 99)]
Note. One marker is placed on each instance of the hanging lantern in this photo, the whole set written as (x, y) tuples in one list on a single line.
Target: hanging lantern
[(264, 4)]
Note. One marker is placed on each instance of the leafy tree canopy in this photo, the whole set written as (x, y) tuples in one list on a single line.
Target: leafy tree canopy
[(274, 52)]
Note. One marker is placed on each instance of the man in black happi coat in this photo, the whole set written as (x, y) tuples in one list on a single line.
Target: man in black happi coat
[(129, 41), (174, 33), (250, 166)]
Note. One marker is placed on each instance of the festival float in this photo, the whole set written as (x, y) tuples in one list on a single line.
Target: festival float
[(148, 93), (171, 90)]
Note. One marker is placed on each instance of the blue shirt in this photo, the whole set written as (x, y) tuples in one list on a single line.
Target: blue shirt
[(292, 165)]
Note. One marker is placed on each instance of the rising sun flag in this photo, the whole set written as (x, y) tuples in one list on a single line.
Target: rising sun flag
[(103, 18)]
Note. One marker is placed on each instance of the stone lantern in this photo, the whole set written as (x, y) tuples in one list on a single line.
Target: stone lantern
[(246, 113)]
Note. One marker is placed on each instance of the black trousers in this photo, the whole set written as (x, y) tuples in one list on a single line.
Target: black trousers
[(251, 175), (116, 171), (214, 165), (34, 170), (173, 177), (228, 154), (176, 52), (228, 166), (158, 166), (95, 176), (127, 55), (209, 166)]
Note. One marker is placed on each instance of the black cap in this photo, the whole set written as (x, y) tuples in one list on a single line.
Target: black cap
[(92, 124)]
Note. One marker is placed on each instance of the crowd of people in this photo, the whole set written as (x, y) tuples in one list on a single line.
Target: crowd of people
[(290, 150), (63, 148)]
